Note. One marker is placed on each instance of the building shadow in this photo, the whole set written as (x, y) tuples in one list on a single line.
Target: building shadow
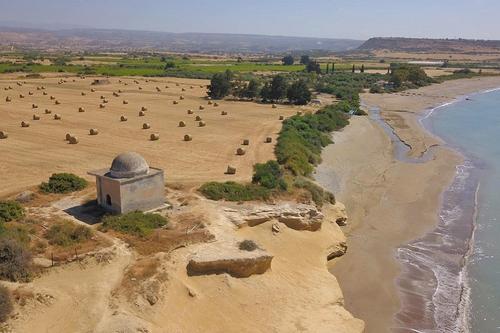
[(89, 212)]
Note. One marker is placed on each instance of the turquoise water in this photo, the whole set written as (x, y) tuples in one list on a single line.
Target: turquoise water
[(472, 126)]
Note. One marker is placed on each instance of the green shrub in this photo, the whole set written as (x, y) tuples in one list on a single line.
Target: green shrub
[(65, 233), (232, 191), (302, 137), (134, 223), (10, 210), (6, 307), (18, 232), (269, 175), (15, 261), (248, 245), (63, 183), (318, 195)]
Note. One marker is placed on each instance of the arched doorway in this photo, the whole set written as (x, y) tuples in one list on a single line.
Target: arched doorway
[(108, 200)]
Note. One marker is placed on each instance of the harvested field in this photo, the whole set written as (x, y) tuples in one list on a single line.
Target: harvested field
[(31, 155)]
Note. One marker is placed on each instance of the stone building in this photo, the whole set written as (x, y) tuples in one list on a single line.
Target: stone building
[(129, 185)]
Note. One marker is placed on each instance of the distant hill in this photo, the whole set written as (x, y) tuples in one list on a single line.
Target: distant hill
[(127, 40), (431, 45)]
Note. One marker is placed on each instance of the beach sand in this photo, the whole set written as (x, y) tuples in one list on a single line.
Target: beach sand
[(389, 202)]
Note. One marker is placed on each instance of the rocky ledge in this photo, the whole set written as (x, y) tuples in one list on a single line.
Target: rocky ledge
[(219, 258), (294, 216)]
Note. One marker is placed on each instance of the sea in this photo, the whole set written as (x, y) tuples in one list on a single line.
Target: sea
[(450, 280)]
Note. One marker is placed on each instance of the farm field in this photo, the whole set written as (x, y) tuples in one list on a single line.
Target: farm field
[(31, 154)]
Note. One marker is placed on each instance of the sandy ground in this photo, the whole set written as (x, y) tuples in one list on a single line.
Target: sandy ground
[(389, 202), (30, 155)]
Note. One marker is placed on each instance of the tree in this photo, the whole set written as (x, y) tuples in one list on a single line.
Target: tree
[(278, 88), (298, 93), (288, 60), (252, 89), (304, 60), (327, 68), (333, 67), (220, 85), (313, 66), (169, 65), (362, 68), (353, 68), (265, 92)]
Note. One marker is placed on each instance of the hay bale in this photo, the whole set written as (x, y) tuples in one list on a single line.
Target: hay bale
[(274, 106), (80, 109), (281, 117), (230, 170), (183, 89), (102, 97), (142, 113), (201, 107), (44, 93), (30, 93), (115, 94), (182, 124), (201, 124), (21, 96), (216, 104), (92, 90), (166, 87), (25, 124), (154, 137), (140, 88), (125, 102), (8, 99), (34, 106), (105, 101), (223, 113), (190, 111), (181, 97), (240, 151), (209, 103), (146, 126), (57, 102), (201, 86), (158, 89), (68, 135), (73, 140), (47, 111), (123, 118), (120, 91), (83, 93), (188, 137), (175, 102), (52, 97), (36, 117), (198, 118), (269, 139), (176, 84), (4, 135), (246, 142), (57, 116), (102, 106), (93, 131), (144, 108)]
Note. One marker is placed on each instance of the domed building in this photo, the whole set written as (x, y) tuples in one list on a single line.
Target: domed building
[(129, 185)]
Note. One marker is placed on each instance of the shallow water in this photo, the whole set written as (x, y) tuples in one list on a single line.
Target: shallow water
[(472, 126)]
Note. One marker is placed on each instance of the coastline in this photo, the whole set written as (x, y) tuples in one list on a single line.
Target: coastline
[(386, 207)]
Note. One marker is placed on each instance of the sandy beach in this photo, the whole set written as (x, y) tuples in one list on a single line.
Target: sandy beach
[(389, 202)]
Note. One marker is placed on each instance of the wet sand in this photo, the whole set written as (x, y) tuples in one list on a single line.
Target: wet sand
[(390, 202)]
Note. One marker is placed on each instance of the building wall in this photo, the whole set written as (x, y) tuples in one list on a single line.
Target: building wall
[(143, 194), (107, 186)]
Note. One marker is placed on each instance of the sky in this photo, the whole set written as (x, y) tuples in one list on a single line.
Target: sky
[(356, 19)]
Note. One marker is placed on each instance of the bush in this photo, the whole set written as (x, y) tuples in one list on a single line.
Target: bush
[(318, 195), (9, 211), (66, 233), (269, 175), (6, 307), (232, 191), (134, 223), (247, 245), (15, 261), (63, 183), (302, 137)]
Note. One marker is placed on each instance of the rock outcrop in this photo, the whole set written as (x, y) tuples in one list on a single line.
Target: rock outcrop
[(228, 258), (294, 216)]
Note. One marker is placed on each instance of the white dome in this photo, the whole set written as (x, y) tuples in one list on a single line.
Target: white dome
[(128, 165)]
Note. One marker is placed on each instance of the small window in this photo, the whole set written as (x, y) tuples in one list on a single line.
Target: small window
[(108, 200)]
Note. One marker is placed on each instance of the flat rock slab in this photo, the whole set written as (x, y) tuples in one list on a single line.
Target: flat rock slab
[(228, 258)]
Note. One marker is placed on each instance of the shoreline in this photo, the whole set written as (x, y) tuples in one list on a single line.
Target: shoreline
[(406, 221)]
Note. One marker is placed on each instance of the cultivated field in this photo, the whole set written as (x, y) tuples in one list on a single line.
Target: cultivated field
[(31, 154)]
